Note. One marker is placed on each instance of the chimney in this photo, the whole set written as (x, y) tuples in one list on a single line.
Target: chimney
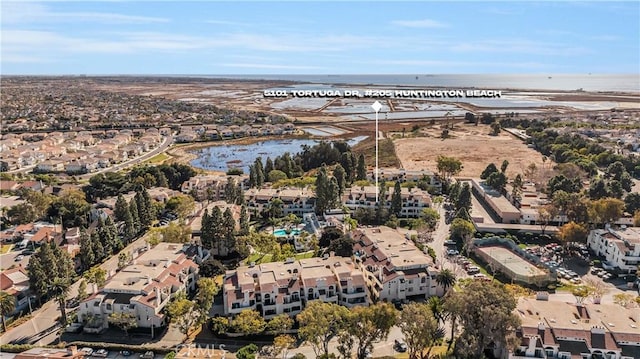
[(72, 350)]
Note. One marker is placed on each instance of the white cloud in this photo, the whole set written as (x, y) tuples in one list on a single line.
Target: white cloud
[(27, 12), (424, 23)]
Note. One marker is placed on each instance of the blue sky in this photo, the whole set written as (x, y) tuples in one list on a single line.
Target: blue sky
[(337, 37)]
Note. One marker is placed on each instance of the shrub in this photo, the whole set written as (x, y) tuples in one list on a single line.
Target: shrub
[(247, 352)]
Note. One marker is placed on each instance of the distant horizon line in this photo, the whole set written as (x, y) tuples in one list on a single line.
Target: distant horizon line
[(335, 75)]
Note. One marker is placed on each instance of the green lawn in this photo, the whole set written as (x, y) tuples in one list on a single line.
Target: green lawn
[(267, 258), (158, 159)]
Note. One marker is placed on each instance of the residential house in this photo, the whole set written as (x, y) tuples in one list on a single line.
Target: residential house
[(394, 268), (287, 287), (142, 289), (414, 200), (620, 247), (15, 282), (565, 330)]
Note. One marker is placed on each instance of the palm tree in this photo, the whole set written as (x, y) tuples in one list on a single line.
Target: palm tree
[(446, 278), (7, 306), (437, 307), (60, 289)]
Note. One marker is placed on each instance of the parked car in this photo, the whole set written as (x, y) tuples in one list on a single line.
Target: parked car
[(102, 353), (19, 257), (73, 328), (452, 252), (400, 346), (450, 243), (147, 355), (86, 351), (125, 353)]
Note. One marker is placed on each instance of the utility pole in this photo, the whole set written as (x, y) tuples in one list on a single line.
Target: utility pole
[(376, 107)]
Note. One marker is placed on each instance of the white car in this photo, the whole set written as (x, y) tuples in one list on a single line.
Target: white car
[(86, 351), (101, 353)]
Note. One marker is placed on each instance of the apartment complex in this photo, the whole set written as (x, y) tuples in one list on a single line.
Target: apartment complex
[(620, 247), (403, 175), (497, 203), (142, 289), (414, 200), (394, 268), (287, 287), (295, 200), (212, 187), (567, 330)]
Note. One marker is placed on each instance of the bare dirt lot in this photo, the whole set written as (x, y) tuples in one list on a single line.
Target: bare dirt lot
[(472, 145)]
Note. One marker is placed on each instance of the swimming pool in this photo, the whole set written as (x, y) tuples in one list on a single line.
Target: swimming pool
[(283, 233)]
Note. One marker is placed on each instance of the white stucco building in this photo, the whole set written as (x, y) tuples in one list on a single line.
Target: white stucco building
[(620, 247)]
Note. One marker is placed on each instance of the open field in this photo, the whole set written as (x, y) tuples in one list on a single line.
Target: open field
[(472, 145)]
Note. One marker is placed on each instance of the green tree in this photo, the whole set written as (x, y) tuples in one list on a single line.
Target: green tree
[(606, 210), (361, 169), (184, 314), (446, 278), (319, 323), (87, 256), (282, 344), (211, 268), (430, 217), (72, 206), (7, 306), (121, 209), (573, 232), (420, 328), (497, 181), (144, 207), (326, 191), (82, 291), (176, 233), (342, 246), (207, 290), (486, 312), (488, 171), (229, 227), (124, 321), (247, 352), (96, 275), (396, 199), (248, 322), (182, 205), (448, 166), (517, 185), (371, 324), (60, 290), (340, 175), (280, 324), (461, 229), (276, 175), (124, 259), (503, 167), (244, 221)]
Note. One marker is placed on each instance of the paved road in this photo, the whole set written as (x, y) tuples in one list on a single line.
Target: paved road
[(8, 259), (41, 329)]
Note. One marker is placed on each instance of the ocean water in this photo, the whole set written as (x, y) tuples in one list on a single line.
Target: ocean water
[(554, 82)]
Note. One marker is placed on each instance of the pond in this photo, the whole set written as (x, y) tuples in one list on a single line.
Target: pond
[(221, 158)]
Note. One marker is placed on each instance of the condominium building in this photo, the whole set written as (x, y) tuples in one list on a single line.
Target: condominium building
[(403, 175), (497, 203), (142, 289), (414, 200), (212, 187), (287, 287), (295, 201), (394, 268), (563, 330), (620, 247)]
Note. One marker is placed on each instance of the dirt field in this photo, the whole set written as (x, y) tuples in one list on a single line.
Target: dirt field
[(472, 145)]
